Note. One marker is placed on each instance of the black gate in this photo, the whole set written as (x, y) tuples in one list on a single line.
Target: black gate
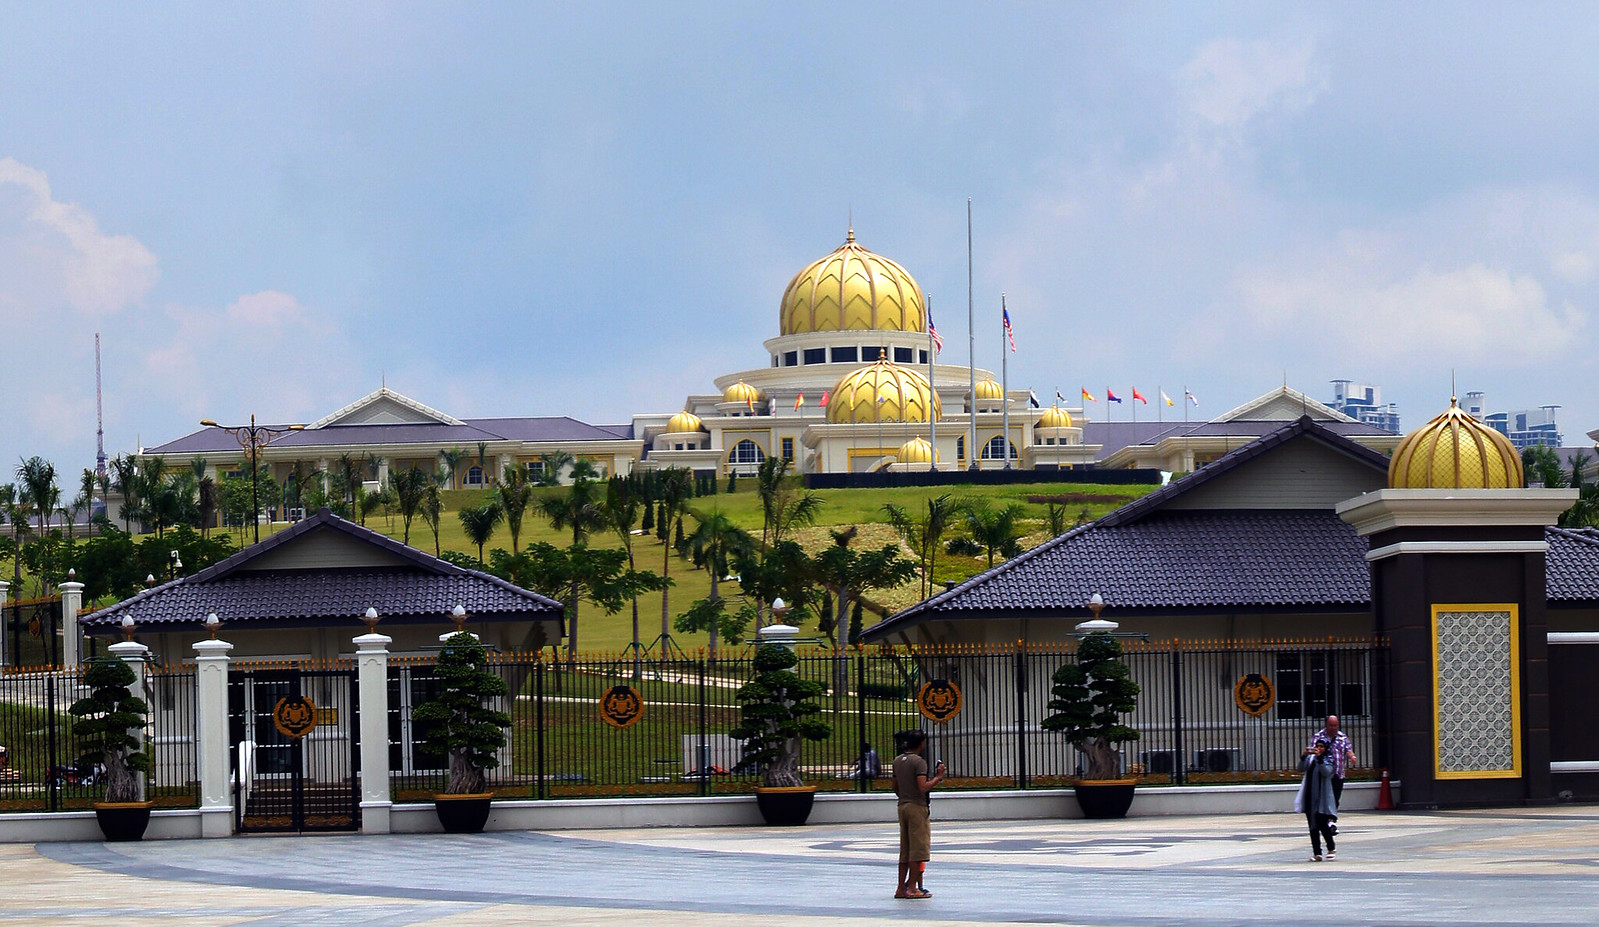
[(295, 735)]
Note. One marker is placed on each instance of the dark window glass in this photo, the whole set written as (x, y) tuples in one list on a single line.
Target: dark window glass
[(790, 358), (921, 357), (815, 355), (845, 355), (903, 355), (788, 448), (871, 352)]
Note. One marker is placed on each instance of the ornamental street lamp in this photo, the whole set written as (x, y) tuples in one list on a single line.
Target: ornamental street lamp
[(253, 437)]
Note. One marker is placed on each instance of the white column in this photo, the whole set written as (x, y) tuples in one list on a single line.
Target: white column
[(372, 671), (71, 637), (383, 472), (211, 731), (506, 460), (5, 645), (322, 465), (136, 655)]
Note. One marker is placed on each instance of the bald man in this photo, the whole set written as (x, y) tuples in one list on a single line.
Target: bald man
[(1341, 749)]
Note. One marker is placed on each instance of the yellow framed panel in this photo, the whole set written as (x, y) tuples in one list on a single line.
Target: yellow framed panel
[(1512, 615)]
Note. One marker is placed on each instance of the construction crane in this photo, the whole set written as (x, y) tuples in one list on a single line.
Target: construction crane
[(99, 414)]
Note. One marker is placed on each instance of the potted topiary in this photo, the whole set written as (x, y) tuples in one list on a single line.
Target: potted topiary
[(110, 719), (458, 724), (777, 714), (1091, 696)]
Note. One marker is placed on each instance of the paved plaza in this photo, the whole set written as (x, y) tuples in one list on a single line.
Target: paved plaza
[(1523, 866)]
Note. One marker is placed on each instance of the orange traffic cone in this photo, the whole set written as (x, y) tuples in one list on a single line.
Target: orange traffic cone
[(1385, 797)]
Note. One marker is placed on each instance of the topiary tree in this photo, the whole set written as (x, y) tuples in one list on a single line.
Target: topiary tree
[(777, 714), (110, 718), (1091, 697), (458, 721)]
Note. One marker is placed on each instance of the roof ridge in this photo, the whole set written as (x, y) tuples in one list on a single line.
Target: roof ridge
[(324, 518)]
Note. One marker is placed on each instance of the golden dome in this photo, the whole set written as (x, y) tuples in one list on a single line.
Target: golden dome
[(683, 423), (853, 289), (1055, 417), (1455, 451), (905, 395), (915, 451), (989, 390), (741, 392)]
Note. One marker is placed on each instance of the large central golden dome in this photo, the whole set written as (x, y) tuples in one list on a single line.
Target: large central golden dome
[(853, 289), (1455, 451), (905, 396)]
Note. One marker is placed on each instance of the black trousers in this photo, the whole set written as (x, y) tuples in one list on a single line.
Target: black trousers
[(1338, 791), (1320, 826)]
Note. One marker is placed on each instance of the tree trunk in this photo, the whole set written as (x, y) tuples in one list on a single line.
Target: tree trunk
[(714, 597), (784, 771), (465, 779), (571, 624), (120, 784)]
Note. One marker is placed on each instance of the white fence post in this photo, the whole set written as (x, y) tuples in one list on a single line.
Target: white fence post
[(71, 638), (211, 737), (372, 668), (136, 655)]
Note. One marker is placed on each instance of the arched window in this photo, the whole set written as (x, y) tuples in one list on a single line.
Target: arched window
[(995, 449), (746, 452), (474, 476)]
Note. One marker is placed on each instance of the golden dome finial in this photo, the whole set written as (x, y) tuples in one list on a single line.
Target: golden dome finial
[(1455, 451), (852, 289)]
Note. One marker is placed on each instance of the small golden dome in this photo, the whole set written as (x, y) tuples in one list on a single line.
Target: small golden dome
[(683, 423), (1055, 417), (853, 289), (1455, 451), (989, 390), (905, 395), (741, 392), (915, 451)]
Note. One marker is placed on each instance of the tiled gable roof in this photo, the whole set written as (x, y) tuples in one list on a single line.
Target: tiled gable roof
[(1571, 568)]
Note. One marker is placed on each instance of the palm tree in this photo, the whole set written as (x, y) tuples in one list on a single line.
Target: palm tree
[(623, 499), (483, 460), (577, 508), (714, 541), (514, 494), (925, 532), (583, 471), (452, 465), (17, 512), (782, 507), (433, 509), (554, 462), (675, 488), (410, 488), (995, 529), (84, 501), (38, 479), (347, 477), (479, 522), (125, 476)]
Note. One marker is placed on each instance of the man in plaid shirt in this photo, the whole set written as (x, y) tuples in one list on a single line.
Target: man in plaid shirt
[(1342, 750)]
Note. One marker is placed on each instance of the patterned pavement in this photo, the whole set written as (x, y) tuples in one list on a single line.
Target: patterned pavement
[(1521, 866)]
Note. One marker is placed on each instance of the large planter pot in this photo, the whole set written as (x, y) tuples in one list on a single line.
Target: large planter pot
[(1104, 798), (122, 821), (463, 814), (786, 806)]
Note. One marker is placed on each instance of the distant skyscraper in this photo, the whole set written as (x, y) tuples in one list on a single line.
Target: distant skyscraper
[(1364, 404), (1525, 428)]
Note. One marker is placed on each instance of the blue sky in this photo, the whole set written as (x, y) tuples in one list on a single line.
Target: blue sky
[(514, 209)]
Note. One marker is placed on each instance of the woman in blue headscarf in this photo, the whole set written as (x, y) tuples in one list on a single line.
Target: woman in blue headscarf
[(1315, 799)]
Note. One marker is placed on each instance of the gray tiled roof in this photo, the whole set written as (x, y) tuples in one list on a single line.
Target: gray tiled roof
[(1571, 568), (467, 435), (422, 587)]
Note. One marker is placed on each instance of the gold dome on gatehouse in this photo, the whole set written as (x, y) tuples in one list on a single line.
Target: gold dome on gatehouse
[(1455, 451), (915, 451), (904, 393), (989, 390), (741, 392), (1055, 417), (683, 423), (853, 289)]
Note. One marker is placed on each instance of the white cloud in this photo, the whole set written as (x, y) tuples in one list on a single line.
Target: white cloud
[(1228, 82), (54, 257)]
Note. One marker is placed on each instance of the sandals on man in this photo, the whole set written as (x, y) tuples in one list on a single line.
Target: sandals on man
[(913, 893)]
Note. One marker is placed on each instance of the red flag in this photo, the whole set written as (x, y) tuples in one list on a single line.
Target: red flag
[(1110, 396), (824, 399), (938, 343), (1139, 396), (799, 402), (750, 401), (1009, 334)]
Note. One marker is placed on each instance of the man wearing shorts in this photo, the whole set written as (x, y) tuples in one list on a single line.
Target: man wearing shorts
[(912, 784)]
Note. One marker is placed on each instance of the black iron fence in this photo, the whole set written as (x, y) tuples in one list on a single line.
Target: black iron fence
[(1209, 712), (40, 759)]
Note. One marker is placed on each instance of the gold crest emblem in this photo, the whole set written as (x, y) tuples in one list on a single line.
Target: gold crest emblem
[(939, 700), (1254, 695), (295, 716), (621, 706)]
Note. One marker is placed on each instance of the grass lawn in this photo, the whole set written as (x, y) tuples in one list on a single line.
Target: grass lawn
[(840, 508)]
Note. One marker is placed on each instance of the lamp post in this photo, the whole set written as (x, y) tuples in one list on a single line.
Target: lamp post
[(253, 437), (176, 565)]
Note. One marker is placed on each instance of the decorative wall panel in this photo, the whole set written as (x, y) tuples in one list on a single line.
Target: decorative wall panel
[(1476, 691)]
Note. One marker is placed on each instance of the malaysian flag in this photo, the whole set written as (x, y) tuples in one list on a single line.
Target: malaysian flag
[(1010, 334), (938, 343)]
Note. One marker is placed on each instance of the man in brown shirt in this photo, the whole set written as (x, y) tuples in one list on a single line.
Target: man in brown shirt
[(912, 784)]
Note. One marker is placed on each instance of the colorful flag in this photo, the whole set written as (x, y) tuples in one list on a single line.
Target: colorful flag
[(750, 401), (1059, 398), (938, 343), (823, 403), (1087, 396), (799, 402), (1191, 397), (1139, 396), (1165, 398), (1032, 399), (1110, 396), (1010, 335)]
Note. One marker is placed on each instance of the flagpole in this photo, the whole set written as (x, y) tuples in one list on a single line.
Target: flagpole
[(932, 391), (1004, 381), (1134, 403), (1160, 399), (971, 344), (1185, 403)]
